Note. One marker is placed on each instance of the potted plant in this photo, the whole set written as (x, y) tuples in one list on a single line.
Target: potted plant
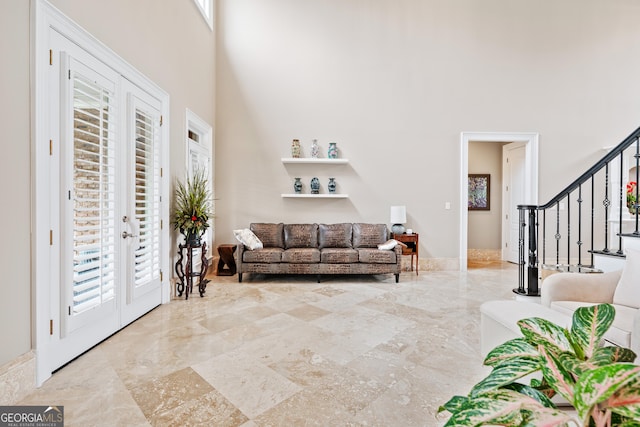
[(600, 382), (631, 197), (192, 207)]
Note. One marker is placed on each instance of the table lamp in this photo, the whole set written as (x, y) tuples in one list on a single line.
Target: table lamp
[(398, 218)]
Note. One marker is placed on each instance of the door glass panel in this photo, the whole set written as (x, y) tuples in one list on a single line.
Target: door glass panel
[(93, 195)]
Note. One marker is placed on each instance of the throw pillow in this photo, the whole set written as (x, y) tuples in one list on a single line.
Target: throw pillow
[(247, 238), (388, 245), (628, 289)]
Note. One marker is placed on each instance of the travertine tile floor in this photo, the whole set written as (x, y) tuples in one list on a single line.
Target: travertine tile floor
[(287, 351)]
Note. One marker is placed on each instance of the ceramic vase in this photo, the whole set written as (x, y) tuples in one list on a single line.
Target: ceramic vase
[(297, 185), (332, 185), (315, 149), (333, 151), (295, 148), (315, 185)]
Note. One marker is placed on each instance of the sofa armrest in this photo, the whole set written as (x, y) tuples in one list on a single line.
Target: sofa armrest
[(593, 288)]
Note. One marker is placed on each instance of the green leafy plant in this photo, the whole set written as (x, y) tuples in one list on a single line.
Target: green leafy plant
[(601, 383), (192, 206)]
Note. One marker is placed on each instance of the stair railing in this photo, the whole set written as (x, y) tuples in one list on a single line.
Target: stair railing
[(582, 220)]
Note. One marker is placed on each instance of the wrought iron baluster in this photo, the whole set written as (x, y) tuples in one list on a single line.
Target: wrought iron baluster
[(593, 214), (558, 235), (606, 202), (619, 251), (579, 242), (568, 231), (637, 157)]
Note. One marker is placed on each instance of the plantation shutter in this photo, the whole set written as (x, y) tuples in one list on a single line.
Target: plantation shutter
[(93, 193), (147, 195)]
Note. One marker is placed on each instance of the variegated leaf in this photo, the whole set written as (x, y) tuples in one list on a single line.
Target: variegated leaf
[(484, 411), (589, 326), (515, 348), (611, 354), (539, 416), (505, 373), (538, 331), (558, 377), (599, 384), (454, 404), (532, 393), (501, 407), (626, 401)]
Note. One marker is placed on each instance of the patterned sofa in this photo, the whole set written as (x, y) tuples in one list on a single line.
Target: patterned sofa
[(319, 249)]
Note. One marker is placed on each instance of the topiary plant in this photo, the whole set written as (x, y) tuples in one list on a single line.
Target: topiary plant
[(601, 383)]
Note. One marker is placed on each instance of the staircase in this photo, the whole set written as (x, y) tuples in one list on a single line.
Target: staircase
[(587, 226)]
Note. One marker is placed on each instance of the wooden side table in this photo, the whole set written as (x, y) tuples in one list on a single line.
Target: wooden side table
[(226, 258), (411, 240)]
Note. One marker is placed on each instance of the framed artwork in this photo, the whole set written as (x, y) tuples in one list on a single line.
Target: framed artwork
[(479, 189)]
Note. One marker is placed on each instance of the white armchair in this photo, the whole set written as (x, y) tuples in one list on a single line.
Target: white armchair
[(565, 292)]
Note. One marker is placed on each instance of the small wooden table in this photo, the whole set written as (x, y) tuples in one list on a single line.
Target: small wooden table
[(226, 258), (411, 240)]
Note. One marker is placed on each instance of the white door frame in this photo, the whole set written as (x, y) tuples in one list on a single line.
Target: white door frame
[(531, 174), (45, 171)]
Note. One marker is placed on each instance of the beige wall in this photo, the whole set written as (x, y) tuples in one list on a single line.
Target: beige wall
[(485, 227), (168, 41), (394, 82), (15, 293)]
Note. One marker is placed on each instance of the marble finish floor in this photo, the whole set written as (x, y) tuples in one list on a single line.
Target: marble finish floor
[(287, 351)]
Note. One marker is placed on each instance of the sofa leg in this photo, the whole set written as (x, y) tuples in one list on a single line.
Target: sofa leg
[(318, 278), (239, 277), (397, 277)]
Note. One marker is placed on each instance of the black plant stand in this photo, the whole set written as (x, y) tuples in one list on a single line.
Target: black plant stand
[(185, 272)]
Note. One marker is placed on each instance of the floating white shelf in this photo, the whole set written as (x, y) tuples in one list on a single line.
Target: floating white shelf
[(315, 196), (325, 161)]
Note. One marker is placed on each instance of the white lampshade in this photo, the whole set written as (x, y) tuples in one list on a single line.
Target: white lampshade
[(398, 214)]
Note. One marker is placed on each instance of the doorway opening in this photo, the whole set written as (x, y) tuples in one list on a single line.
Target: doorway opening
[(529, 174)]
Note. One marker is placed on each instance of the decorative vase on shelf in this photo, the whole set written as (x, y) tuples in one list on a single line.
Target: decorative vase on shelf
[(315, 149), (315, 185), (295, 148), (332, 185), (333, 151), (297, 185)]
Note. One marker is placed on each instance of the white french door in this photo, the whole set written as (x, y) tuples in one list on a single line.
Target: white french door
[(141, 221), (110, 207), (100, 200)]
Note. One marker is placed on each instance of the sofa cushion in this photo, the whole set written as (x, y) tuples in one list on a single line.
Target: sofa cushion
[(628, 289), (271, 235), (301, 256), (338, 256), (376, 256), (334, 235), (369, 235), (248, 238), (620, 331), (301, 236), (266, 255)]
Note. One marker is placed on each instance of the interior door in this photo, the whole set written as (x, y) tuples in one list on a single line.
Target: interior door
[(513, 167)]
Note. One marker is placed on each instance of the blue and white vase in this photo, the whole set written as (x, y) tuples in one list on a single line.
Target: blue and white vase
[(297, 185), (315, 185), (332, 185)]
